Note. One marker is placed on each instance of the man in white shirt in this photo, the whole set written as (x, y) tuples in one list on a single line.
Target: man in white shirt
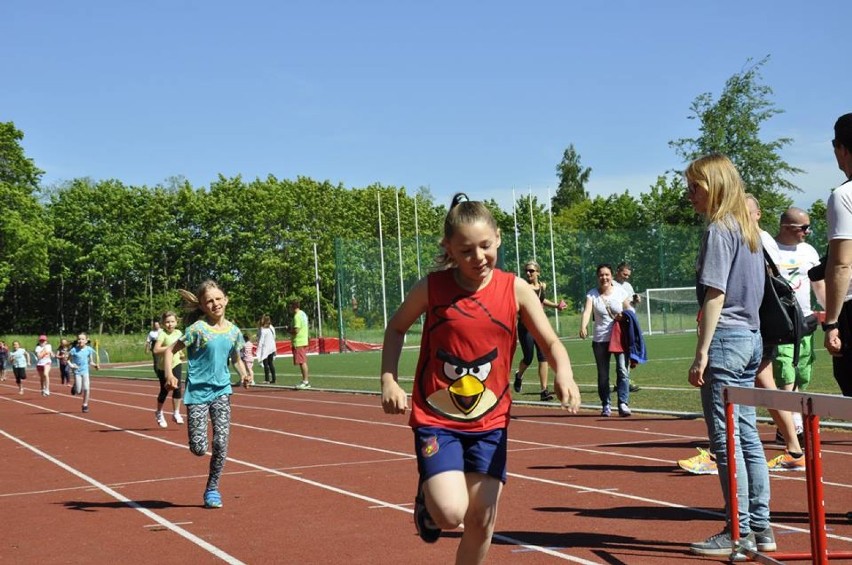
[(622, 279), (838, 269), (795, 259)]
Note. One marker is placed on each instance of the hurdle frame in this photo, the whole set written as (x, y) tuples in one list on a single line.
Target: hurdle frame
[(811, 406)]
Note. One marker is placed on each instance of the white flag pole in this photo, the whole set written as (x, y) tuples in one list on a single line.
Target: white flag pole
[(382, 261), (417, 236), (517, 236), (399, 247), (532, 225), (317, 281), (553, 258)]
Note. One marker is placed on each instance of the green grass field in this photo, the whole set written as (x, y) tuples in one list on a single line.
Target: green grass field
[(663, 379)]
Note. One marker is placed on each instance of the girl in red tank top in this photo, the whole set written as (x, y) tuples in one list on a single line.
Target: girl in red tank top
[(461, 400)]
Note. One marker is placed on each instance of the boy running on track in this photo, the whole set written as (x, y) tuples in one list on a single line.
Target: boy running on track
[(460, 404), (209, 342)]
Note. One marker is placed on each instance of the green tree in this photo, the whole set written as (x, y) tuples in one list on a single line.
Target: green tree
[(24, 231), (572, 181), (666, 203), (731, 125)]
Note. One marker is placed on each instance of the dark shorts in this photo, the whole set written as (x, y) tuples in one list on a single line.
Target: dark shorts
[(439, 450), (300, 355)]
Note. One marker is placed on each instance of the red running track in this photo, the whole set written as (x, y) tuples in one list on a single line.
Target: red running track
[(318, 477)]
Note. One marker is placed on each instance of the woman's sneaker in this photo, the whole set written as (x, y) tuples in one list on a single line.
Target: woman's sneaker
[(765, 539), (786, 462), (624, 410), (722, 544), (546, 396), (177, 418), (161, 420), (606, 411), (519, 382)]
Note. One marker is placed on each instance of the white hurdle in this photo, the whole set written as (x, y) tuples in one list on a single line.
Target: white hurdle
[(812, 407)]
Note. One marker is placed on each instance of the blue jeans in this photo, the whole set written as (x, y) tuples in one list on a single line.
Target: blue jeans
[(622, 382), (734, 357)]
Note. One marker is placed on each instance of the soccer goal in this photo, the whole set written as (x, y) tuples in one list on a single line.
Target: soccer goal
[(669, 310)]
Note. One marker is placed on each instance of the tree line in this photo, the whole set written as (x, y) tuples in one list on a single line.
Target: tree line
[(104, 256)]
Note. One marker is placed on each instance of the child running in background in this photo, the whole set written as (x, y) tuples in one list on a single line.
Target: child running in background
[(460, 403), (79, 358), (247, 356), (166, 337), (18, 359), (209, 343), (62, 356), (44, 360), (4, 357)]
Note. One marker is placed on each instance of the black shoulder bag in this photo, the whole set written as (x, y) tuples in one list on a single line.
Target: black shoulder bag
[(781, 318)]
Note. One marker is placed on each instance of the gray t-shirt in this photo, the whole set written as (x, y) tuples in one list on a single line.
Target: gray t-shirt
[(725, 262)]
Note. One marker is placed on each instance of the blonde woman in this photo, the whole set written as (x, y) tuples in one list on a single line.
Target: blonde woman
[(730, 275)]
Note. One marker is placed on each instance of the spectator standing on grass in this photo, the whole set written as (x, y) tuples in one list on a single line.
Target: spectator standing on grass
[(44, 361), (622, 278), (461, 401), (79, 358), (210, 341), (605, 304), (838, 269), (165, 339), (730, 275), (150, 341), (4, 358), (266, 348), (299, 333), (18, 359), (528, 344)]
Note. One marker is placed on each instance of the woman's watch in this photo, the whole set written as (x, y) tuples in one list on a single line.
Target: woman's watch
[(827, 327)]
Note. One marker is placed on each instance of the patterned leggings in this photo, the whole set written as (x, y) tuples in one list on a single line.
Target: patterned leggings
[(220, 415)]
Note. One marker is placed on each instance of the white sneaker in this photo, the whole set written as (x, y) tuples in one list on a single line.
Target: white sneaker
[(177, 418), (303, 385), (161, 420)]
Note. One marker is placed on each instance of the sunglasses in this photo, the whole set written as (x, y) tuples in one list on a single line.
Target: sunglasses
[(531, 271), (804, 228)]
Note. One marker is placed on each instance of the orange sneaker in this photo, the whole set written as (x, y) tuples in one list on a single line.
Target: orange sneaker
[(786, 462)]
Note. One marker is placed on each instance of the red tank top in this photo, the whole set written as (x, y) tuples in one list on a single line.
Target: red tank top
[(466, 352)]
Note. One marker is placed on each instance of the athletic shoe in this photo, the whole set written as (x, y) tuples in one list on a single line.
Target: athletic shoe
[(722, 544), (606, 411), (212, 499), (624, 410), (303, 385), (426, 528), (519, 381), (633, 387), (546, 396), (765, 539), (701, 464), (786, 462), (177, 418), (161, 420), (85, 408)]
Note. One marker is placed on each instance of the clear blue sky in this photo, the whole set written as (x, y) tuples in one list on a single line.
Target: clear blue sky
[(476, 96)]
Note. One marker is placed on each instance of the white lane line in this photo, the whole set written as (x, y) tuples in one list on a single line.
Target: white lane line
[(210, 548), (411, 456)]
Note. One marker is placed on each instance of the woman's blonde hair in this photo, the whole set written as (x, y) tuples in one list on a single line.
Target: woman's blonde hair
[(726, 200)]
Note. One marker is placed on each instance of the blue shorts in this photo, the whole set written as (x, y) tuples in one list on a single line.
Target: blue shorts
[(440, 449)]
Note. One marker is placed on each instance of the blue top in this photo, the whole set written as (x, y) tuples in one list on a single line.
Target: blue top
[(18, 357), (208, 351), (80, 356)]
